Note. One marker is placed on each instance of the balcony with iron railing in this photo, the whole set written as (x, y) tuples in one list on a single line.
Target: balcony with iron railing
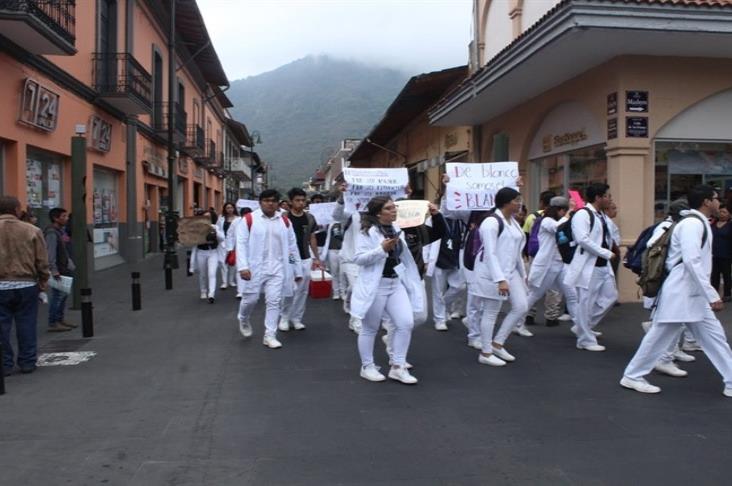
[(195, 141), (122, 82), (40, 26), (160, 120), (209, 157)]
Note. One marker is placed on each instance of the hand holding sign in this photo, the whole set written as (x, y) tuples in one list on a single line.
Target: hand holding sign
[(474, 186)]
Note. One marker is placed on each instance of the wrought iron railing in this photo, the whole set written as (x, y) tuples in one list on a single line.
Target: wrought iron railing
[(195, 139), (160, 117), (57, 15), (119, 73)]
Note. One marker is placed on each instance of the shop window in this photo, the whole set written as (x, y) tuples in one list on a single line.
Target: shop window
[(572, 170), (106, 213), (44, 183)]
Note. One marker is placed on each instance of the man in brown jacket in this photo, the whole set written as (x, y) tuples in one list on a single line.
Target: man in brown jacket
[(23, 274)]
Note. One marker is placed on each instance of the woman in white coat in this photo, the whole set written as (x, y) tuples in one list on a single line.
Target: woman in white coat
[(547, 269), (205, 259), (388, 279), (224, 224), (500, 275)]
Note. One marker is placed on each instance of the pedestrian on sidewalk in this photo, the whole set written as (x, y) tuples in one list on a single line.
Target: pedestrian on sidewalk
[(268, 261), (388, 280), (60, 264), (205, 258), (590, 272), (224, 224), (304, 225), (686, 297), (23, 274)]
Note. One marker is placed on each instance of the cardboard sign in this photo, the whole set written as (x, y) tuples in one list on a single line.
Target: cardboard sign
[(192, 231), (322, 212), (364, 184), (474, 186), (247, 203), (577, 198), (411, 213)]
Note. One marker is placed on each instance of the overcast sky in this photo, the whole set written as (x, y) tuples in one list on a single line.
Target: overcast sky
[(256, 36)]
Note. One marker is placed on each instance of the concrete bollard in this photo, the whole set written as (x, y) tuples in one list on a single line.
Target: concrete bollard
[(87, 314), (136, 292)]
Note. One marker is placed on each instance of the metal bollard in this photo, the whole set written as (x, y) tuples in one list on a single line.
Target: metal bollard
[(2, 375), (168, 277), (188, 264), (87, 313), (136, 292)]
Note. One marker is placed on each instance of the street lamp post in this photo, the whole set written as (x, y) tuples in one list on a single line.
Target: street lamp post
[(171, 216), (256, 139)]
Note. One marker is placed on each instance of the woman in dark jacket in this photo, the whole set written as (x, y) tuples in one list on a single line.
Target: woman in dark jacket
[(722, 252)]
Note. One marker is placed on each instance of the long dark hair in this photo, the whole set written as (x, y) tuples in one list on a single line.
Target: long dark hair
[(223, 210), (504, 196), (371, 216), (552, 212)]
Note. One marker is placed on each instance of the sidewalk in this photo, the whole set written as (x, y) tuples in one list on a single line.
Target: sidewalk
[(175, 396)]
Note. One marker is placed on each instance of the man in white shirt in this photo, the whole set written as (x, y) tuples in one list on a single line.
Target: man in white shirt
[(686, 297), (268, 260), (590, 271)]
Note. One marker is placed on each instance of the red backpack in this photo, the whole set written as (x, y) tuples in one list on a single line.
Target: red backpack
[(249, 219)]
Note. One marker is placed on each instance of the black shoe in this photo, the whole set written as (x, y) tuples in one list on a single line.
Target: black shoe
[(552, 323), (28, 370), (211, 300), (529, 321)]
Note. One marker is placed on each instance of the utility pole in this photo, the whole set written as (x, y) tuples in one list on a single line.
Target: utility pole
[(79, 232), (171, 216)]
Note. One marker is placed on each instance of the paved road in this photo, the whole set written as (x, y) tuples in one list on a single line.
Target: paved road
[(176, 397)]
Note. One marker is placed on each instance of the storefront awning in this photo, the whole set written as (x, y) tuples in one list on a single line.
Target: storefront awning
[(578, 35)]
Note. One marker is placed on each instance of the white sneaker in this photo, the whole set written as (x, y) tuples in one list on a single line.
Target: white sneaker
[(564, 317), (271, 342), (490, 360), (465, 322), (284, 325), (440, 326), (646, 325), (727, 392), (354, 324), (336, 297), (574, 329), (592, 347), (224, 286), (343, 297), (682, 356), (299, 326), (641, 385), (597, 333), (204, 295), (455, 315), (503, 354), (522, 331), (475, 343), (670, 369), (371, 373), (239, 295), (245, 329), (402, 375), (690, 346)]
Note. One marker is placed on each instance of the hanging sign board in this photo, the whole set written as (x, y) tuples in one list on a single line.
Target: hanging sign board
[(636, 101), (636, 127), (474, 186)]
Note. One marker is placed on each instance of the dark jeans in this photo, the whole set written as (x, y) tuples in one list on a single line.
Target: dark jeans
[(56, 306), (20, 305), (721, 267)]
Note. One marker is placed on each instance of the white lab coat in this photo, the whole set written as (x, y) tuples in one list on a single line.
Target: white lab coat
[(589, 248), (348, 250), (687, 291), (548, 257), (229, 241), (371, 257), (501, 256), (250, 253), (194, 252)]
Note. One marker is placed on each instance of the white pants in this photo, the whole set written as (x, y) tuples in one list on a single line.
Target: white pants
[(491, 307), (340, 282), (228, 274), (207, 262), (351, 272), (272, 287), (392, 301), (293, 308), (593, 304), (552, 301), (708, 333), (447, 285), (474, 310), (553, 283)]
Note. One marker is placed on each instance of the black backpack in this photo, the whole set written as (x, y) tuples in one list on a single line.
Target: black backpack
[(474, 245), (565, 238), (634, 256)]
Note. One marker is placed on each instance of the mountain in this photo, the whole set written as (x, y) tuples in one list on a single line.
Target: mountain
[(302, 110)]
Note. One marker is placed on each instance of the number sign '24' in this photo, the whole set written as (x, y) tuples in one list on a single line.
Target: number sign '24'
[(39, 106)]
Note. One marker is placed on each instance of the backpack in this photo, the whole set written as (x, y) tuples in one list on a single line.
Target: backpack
[(565, 239), (634, 256), (654, 272), (474, 245), (249, 220), (532, 244)]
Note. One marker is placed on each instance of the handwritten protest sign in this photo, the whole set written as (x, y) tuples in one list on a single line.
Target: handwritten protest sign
[(322, 212), (247, 203), (193, 231), (474, 186), (411, 213), (363, 184)]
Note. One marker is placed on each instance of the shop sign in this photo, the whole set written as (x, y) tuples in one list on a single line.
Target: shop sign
[(100, 134), (612, 104), (550, 142), (612, 128), (451, 139), (636, 127), (636, 101), (39, 106)]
